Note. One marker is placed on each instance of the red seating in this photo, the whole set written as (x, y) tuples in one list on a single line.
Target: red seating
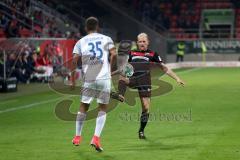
[(237, 30), (213, 5), (2, 33), (179, 36), (37, 28), (193, 15), (173, 24), (174, 18), (186, 36), (174, 30), (238, 35), (238, 24), (25, 32), (184, 6), (238, 11), (194, 36)]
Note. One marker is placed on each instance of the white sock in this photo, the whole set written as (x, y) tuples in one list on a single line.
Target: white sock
[(100, 121), (79, 123)]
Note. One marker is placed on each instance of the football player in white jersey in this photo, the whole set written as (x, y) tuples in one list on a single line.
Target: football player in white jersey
[(97, 54)]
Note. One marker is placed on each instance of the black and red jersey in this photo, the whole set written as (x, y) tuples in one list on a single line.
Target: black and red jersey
[(142, 60), (144, 56)]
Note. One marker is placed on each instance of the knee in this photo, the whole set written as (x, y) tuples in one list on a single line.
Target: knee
[(145, 108), (84, 107), (102, 107)]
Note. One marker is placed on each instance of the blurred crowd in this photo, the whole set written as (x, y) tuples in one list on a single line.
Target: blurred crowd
[(163, 13), (180, 18), (19, 19), (175, 13), (29, 65)]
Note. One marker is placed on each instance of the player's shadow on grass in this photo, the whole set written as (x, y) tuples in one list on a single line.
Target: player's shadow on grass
[(95, 155), (188, 135), (155, 146)]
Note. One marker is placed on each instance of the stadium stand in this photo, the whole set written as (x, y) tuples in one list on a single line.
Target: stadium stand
[(25, 62), (27, 18), (181, 18), (174, 19), (40, 19)]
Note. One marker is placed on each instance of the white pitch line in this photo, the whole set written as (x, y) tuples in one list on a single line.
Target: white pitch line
[(29, 105), (189, 70), (8, 101)]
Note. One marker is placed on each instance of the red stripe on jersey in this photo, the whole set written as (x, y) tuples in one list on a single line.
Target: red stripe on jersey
[(150, 54)]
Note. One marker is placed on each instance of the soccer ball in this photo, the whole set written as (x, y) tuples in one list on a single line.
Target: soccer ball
[(127, 70)]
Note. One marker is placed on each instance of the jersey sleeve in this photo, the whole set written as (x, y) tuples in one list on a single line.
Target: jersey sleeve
[(157, 58), (110, 43), (77, 48)]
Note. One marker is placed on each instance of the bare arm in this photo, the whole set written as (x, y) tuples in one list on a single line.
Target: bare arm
[(171, 74), (113, 58)]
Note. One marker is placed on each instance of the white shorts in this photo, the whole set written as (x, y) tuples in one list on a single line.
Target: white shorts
[(99, 89)]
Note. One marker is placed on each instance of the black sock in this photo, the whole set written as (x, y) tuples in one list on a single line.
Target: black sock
[(143, 121)]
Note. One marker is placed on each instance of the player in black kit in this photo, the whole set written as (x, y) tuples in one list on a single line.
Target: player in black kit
[(141, 60)]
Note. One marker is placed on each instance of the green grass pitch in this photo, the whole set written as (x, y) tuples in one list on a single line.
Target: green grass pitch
[(29, 129)]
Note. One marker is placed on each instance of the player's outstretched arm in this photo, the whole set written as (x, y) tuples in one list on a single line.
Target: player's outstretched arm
[(171, 74)]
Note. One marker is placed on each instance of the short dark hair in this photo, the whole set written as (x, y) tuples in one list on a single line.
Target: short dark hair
[(91, 23)]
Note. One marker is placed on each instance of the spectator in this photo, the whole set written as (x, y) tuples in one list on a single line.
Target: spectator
[(45, 64), (14, 68), (33, 61), (3, 21), (44, 60), (28, 69), (12, 30), (20, 12)]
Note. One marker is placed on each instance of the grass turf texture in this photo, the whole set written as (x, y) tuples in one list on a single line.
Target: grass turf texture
[(212, 94)]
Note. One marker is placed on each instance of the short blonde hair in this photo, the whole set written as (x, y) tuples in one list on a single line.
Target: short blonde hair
[(143, 35)]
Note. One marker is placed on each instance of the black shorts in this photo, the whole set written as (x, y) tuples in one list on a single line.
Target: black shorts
[(142, 83)]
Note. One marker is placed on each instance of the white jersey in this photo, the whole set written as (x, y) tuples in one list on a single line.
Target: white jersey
[(94, 51)]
